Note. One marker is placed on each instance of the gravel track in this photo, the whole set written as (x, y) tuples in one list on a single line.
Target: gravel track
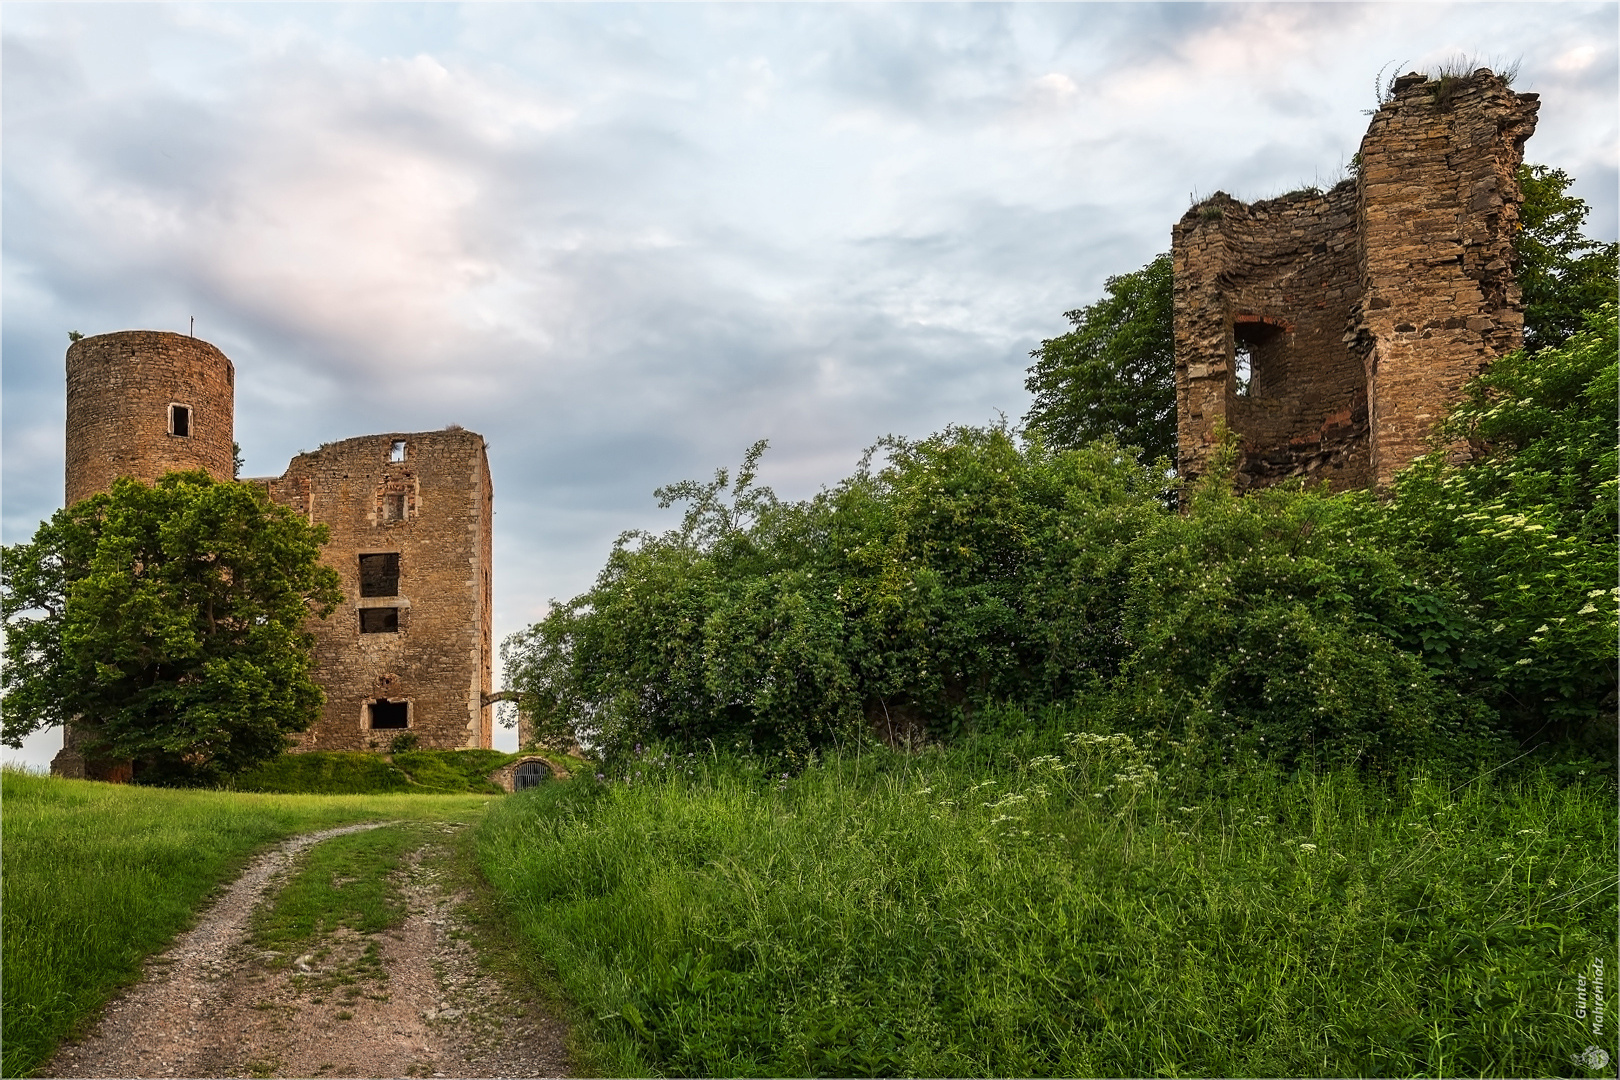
[(412, 1001)]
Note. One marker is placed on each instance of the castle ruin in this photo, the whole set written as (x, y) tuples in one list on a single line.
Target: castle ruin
[(409, 514), (1329, 332)]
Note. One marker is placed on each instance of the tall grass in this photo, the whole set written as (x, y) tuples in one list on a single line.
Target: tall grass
[(1085, 911), (96, 877)]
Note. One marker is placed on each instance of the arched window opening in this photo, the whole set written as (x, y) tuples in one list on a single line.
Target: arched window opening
[(530, 774)]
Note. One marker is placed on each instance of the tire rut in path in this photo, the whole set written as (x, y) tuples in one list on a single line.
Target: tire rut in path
[(411, 1001)]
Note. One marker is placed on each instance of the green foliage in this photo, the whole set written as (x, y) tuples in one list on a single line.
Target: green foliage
[(167, 623), (963, 570), (1086, 905), (1265, 624), (1563, 275), (1113, 375), (100, 876), (420, 772), (403, 742), (1527, 531)]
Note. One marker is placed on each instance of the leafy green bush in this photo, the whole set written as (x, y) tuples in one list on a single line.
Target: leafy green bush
[(1474, 600), (1264, 624), (1526, 531), (963, 571)]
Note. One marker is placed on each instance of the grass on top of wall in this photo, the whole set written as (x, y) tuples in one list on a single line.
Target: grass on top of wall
[(422, 772), (96, 877), (1087, 911)]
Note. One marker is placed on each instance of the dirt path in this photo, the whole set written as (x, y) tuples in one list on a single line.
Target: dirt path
[(412, 1001)]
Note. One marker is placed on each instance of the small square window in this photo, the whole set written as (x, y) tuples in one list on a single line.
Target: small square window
[(379, 574), (396, 450), (389, 714), (379, 620), (393, 507), (180, 421)]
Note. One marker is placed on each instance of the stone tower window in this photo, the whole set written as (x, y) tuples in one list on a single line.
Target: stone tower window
[(384, 714), (379, 574), (180, 421), (1258, 344), (396, 450), (393, 507), (379, 620)]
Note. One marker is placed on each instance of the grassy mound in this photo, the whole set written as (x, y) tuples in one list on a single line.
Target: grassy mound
[(421, 772)]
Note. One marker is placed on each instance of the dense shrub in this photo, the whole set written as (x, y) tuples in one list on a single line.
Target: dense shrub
[(1474, 600)]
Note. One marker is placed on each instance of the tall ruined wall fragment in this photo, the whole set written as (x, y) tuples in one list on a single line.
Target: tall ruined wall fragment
[(1359, 312), (410, 647)]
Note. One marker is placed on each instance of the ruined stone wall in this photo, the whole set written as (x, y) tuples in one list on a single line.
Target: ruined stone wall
[(1439, 208), (1364, 308), (122, 390), (415, 656), (1273, 279)]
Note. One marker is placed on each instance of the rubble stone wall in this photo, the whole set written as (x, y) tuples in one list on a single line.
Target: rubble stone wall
[(1364, 308), (120, 390), (432, 654), (418, 657)]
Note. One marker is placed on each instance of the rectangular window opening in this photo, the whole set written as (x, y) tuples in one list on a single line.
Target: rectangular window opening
[(393, 507), (180, 421), (1242, 369), (379, 620), (379, 574), (396, 450), (389, 714)]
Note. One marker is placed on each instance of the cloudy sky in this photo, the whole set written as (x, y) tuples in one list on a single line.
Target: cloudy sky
[(624, 242)]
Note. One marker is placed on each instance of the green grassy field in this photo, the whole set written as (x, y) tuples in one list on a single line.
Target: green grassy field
[(1071, 909), (96, 877)]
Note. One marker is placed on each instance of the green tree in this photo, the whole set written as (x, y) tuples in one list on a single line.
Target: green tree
[(166, 623), (1114, 374), (1563, 274)]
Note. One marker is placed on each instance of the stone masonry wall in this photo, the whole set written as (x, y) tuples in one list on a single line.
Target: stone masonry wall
[(1275, 277), (120, 388), (1439, 208), (432, 512), (1364, 308)]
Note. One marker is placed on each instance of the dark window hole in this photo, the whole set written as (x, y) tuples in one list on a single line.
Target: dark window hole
[(379, 574), (390, 714), (379, 620)]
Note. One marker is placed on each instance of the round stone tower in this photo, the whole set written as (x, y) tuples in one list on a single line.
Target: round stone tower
[(145, 402)]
